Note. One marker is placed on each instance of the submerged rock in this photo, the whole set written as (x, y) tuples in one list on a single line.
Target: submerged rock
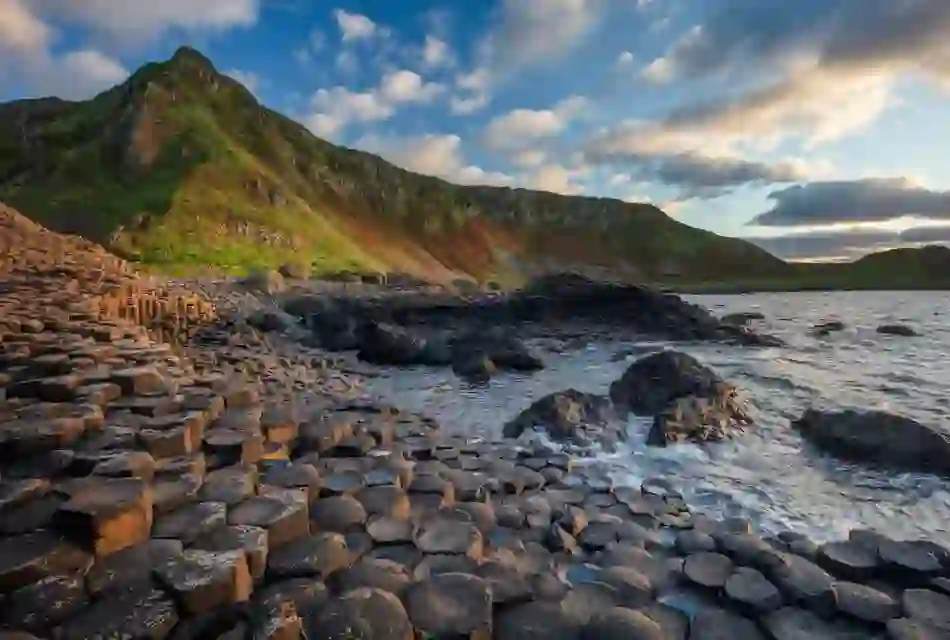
[(897, 330), (879, 438), (569, 416), (742, 318), (827, 328), (689, 400)]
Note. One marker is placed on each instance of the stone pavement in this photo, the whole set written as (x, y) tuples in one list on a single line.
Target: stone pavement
[(149, 494)]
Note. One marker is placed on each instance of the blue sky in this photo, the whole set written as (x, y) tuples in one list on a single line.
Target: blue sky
[(816, 127)]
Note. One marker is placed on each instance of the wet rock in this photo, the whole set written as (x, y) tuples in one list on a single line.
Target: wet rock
[(452, 604), (864, 603), (108, 515), (536, 621), (912, 563), (306, 594), (790, 623), (878, 438), (673, 622), (587, 599), (742, 317), (751, 593), (250, 540), (447, 535), (385, 501), (508, 581), (569, 416), (897, 330), (847, 560), (280, 622), (319, 555), (826, 328), (130, 566), (709, 570), (44, 604), (297, 475), (204, 580), (340, 514), (691, 541), (475, 367), (718, 624), (385, 344), (374, 573), (622, 624), (385, 530), (283, 514), (343, 483), (633, 589), (909, 629), (363, 614), (504, 350), (141, 612), (191, 522), (927, 606), (804, 582), (689, 401)]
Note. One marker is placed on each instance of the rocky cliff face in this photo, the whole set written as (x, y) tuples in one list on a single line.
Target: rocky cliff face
[(181, 166)]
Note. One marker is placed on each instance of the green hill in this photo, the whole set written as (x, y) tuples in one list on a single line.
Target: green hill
[(181, 167)]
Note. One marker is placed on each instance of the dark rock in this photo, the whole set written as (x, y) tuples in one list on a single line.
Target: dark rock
[(536, 621), (191, 522), (34, 556), (588, 599), (204, 580), (790, 623), (633, 589), (927, 606), (878, 438), (476, 367), (340, 514), (363, 614), (283, 514), (319, 555), (752, 593), (691, 541), (622, 624), (386, 530), (230, 485), (569, 416), (897, 330), (44, 604), (446, 535), (826, 328), (384, 344), (252, 541), (373, 573), (742, 317), (673, 622), (804, 582), (710, 570), (306, 594), (141, 612), (866, 604), (910, 562), (385, 501), (689, 401), (454, 605), (504, 350), (848, 560), (130, 566), (718, 624), (108, 515), (909, 629)]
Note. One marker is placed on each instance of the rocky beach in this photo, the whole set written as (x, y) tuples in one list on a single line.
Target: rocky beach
[(187, 460)]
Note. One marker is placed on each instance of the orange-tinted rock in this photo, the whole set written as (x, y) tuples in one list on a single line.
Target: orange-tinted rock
[(108, 515), (283, 514)]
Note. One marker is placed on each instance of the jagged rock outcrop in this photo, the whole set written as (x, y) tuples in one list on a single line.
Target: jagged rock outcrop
[(572, 417), (689, 401)]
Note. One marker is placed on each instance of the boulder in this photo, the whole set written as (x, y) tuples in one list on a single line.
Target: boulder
[(386, 344), (897, 330), (688, 400), (268, 282), (878, 438), (504, 350), (569, 416), (742, 318)]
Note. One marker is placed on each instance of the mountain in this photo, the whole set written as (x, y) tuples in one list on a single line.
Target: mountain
[(180, 166)]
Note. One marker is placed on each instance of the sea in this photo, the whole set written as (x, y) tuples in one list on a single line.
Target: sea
[(768, 475)]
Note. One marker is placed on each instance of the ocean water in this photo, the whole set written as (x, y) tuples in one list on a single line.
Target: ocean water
[(769, 475)]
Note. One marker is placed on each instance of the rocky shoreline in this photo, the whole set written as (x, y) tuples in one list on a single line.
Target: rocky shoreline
[(233, 484)]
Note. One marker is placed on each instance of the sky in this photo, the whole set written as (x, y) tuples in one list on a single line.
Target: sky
[(816, 128)]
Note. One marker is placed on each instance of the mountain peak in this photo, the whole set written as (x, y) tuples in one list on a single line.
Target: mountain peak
[(189, 56)]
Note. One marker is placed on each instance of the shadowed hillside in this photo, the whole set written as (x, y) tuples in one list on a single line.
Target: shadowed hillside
[(180, 167)]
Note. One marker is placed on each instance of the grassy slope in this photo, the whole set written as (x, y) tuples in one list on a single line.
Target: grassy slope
[(181, 167)]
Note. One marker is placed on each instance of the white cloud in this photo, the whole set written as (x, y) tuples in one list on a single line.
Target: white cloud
[(407, 86), (138, 18), (473, 91), (625, 59), (541, 31), (354, 26), (435, 155), (20, 30), (337, 107), (249, 79), (524, 125), (529, 157), (554, 178), (436, 53)]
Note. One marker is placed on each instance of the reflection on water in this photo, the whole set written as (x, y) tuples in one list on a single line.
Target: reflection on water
[(769, 474)]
